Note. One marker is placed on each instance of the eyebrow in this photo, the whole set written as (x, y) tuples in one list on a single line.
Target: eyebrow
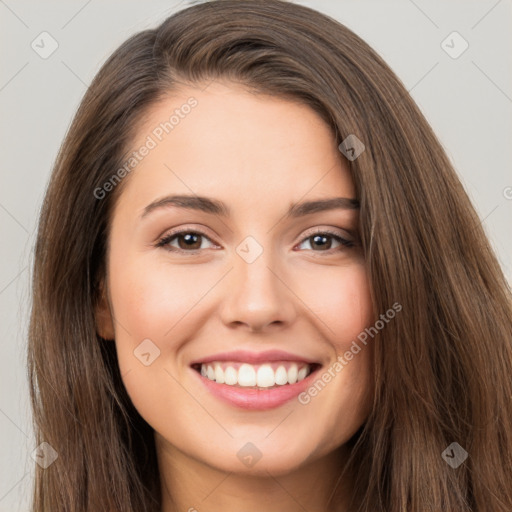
[(216, 207)]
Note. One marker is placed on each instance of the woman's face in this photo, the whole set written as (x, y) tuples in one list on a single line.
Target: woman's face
[(249, 289)]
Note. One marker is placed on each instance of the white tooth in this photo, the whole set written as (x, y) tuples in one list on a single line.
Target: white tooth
[(281, 376), (292, 373), (219, 374), (246, 375), (230, 376), (302, 373), (265, 376)]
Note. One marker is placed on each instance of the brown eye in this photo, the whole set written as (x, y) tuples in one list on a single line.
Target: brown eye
[(323, 241), (187, 241), (190, 241)]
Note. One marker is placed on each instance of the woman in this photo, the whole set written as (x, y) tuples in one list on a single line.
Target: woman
[(197, 342)]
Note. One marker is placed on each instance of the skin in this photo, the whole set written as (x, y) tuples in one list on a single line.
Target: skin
[(258, 154)]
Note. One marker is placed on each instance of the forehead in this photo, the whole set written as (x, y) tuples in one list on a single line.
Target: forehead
[(227, 142)]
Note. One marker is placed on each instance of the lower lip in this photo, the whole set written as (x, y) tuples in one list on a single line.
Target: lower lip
[(256, 399)]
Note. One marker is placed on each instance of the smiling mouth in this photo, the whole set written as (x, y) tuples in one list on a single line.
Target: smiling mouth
[(269, 375)]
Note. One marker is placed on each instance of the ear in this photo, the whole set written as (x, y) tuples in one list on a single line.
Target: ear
[(103, 314)]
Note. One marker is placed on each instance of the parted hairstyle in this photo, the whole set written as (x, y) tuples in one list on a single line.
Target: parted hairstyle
[(443, 366)]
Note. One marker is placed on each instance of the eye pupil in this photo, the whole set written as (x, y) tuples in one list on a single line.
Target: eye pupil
[(190, 240), (321, 239)]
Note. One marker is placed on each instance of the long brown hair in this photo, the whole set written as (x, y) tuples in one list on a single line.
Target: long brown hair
[(443, 367)]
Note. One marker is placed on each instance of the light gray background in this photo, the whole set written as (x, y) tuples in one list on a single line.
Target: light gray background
[(467, 100)]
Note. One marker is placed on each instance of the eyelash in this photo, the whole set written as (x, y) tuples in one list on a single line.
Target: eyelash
[(164, 241)]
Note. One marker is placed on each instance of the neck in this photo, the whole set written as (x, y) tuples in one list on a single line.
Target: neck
[(191, 485)]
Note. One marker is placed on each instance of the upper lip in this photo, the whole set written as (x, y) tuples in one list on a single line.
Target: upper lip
[(254, 357)]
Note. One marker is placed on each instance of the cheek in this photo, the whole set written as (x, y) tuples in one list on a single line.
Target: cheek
[(339, 296), (340, 398), (154, 317), (145, 307), (153, 300)]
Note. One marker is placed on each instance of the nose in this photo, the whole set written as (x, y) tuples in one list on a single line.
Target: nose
[(258, 296)]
